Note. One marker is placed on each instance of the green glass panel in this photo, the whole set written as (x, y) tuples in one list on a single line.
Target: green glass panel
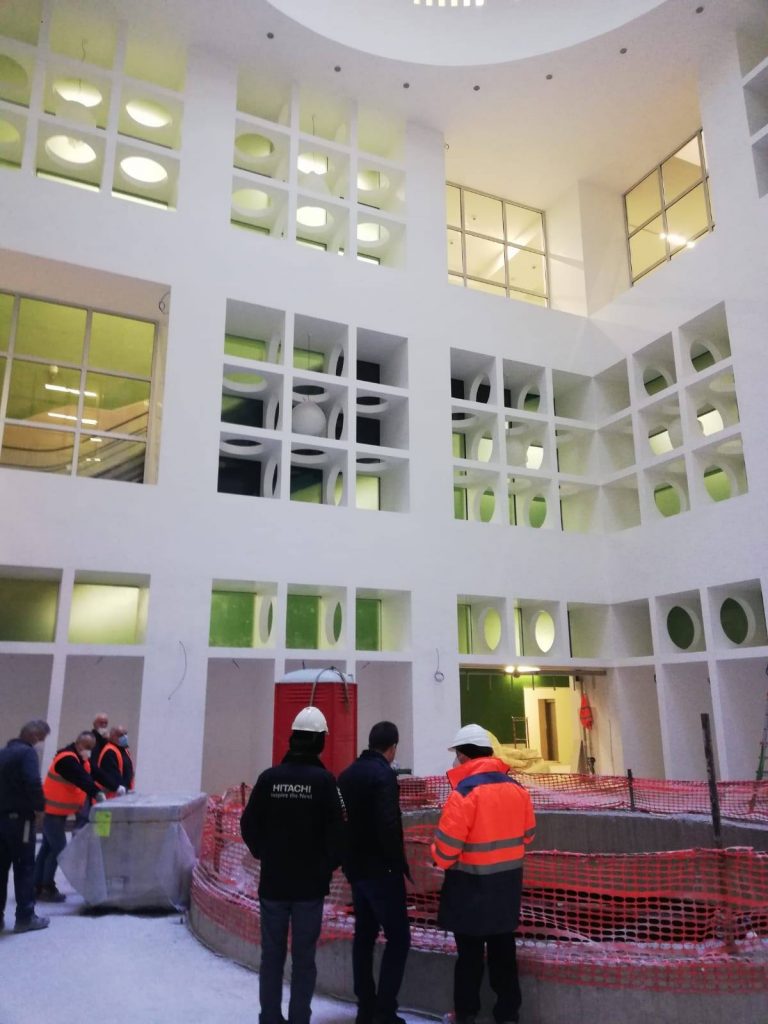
[(49, 451), (667, 500), (460, 503), (367, 624), (459, 446), (482, 214), (453, 205), (681, 171), (368, 492), (524, 227), (28, 610), (2, 371), (527, 270), (485, 259), (734, 621), (687, 219), (48, 394), (647, 248), (111, 459), (537, 511), (102, 614), (302, 621), (465, 628), (306, 359), (703, 360), (455, 259), (718, 484), (644, 201), (6, 310), (245, 348), (680, 627), (116, 403), (512, 508), (307, 484), (492, 698), (50, 331), (487, 506), (231, 619), (338, 621), (120, 344)]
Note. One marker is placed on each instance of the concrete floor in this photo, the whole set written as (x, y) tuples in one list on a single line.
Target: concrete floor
[(118, 968)]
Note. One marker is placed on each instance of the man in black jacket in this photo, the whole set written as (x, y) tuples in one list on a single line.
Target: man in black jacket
[(294, 824), (376, 867), (21, 796)]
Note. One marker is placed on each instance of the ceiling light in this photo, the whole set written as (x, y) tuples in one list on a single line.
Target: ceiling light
[(312, 163), (312, 216), (75, 90), (151, 115), (70, 149), (144, 170), (674, 239)]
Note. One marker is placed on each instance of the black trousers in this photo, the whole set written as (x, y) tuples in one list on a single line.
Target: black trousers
[(17, 851), (502, 974), (380, 905)]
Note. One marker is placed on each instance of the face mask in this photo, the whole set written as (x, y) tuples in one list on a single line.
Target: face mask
[(456, 762), (103, 732), (123, 742), (85, 754)]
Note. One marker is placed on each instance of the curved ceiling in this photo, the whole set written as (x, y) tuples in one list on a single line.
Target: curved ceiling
[(499, 31)]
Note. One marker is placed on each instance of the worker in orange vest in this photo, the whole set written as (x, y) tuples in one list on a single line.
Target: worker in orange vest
[(484, 828), (69, 776), (113, 770)]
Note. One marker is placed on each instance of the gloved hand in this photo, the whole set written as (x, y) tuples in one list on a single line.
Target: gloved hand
[(101, 797), (120, 790)]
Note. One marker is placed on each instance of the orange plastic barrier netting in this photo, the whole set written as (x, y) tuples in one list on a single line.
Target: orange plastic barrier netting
[(745, 801), (683, 921)]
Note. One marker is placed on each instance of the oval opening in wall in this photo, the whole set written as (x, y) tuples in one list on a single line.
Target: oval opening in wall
[(77, 90), (703, 356), (148, 113), (537, 511), (251, 200), (718, 483), (313, 216), (491, 626), (143, 169), (70, 149), (656, 379), (254, 146), (737, 620), (669, 498), (682, 627), (544, 631)]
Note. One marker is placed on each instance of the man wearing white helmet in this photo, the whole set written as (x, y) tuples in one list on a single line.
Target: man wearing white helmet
[(485, 825), (294, 824)]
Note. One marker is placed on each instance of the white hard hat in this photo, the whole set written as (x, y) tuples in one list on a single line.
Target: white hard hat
[(310, 720), (473, 734)]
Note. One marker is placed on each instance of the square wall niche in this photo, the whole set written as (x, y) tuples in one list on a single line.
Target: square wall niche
[(12, 137), (680, 626), (572, 395), (385, 693), (711, 406), (615, 447), (660, 428), (631, 635), (108, 609), (620, 504), (476, 496), (527, 443), (315, 618), (530, 503), (248, 465), (720, 472), (473, 377), (262, 151), (381, 482), (576, 450), (322, 169), (16, 84), (524, 387), (654, 368), (684, 695), (29, 601), (322, 224), (741, 692), (243, 614), (320, 345), (319, 409), (540, 630), (611, 391), (579, 504), (239, 704), (737, 613), (25, 687), (482, 626), (318, 475), (379, 187), (250, 398), (666, 489), (382, 620), (705, 340), (475, 435), (588, 630), (110, 684), (381, 358), (381, 420), (254, 332), (379, 240), (262, 208)]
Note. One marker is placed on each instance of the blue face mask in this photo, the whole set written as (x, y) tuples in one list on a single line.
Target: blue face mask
[(123, 741)]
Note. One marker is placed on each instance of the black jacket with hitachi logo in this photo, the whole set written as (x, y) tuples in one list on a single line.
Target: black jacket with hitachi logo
[(294, 824)]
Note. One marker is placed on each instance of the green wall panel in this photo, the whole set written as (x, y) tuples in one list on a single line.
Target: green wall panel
[(28, 610), (231, 619), (302, 621), (367, 624)]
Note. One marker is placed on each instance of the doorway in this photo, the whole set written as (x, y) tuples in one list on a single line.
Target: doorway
[(548, 730)]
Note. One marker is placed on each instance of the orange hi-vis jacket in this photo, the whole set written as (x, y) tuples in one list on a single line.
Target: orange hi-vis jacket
[(112, 747), (62, 797), (480, 842)]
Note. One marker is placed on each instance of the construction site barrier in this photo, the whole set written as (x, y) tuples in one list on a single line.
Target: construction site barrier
[(682, 921), (740, 801)]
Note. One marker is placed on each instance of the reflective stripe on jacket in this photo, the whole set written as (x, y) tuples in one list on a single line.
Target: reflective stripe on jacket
[(62, 797)]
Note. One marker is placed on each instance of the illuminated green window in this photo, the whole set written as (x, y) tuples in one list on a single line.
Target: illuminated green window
[(28, 609), (302, 621), (496, 246), (367, 624), (79, 392), (106, 614), (669, 209)]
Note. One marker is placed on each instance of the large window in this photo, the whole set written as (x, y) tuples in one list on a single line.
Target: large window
[(669, 209), (496, 246), (75, 389)]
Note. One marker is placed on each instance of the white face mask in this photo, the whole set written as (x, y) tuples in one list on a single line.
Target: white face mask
[(85, 754), (103, 732)]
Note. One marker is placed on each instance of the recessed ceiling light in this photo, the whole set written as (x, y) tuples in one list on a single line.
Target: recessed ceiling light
[(75, 90), (337, 68), (270, 35), (549, 77), (476, 88), (699, 10), (623, 49), (312, 216), (406, 85), (144, 170), (148, 113), (70, 149)]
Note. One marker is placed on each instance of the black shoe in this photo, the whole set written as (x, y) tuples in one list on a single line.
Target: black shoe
[(50, 894), (32, 924)]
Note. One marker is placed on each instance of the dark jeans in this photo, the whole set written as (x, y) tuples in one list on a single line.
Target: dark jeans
[(380, 904), (305, 918), (17, 851), (502, 974), (54, 841)]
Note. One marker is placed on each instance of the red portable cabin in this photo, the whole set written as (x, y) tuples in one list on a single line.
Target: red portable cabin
[(335, 694)]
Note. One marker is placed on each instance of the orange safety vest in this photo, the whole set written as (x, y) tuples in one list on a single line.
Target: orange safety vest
[(110, 746), (487, 820), (62, 797)]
